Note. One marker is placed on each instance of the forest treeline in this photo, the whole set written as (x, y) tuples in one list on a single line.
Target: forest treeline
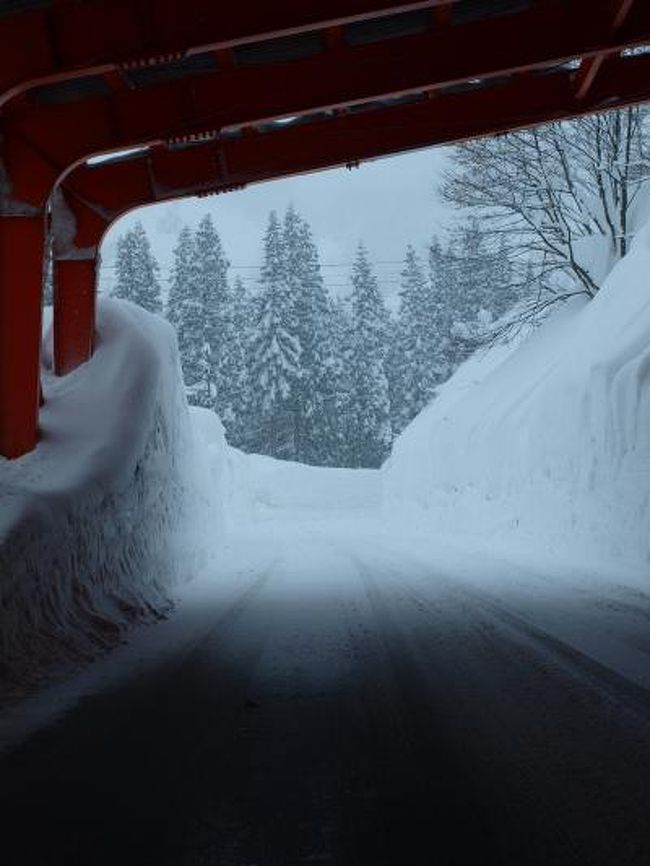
[(300, 374), (297, 373)]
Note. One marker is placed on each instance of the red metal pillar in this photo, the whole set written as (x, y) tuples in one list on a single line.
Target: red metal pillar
[(21, 277), (77, 231), (27, 178), (74, 312)]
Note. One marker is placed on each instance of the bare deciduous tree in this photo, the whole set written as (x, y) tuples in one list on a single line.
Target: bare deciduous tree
[(559, 197)]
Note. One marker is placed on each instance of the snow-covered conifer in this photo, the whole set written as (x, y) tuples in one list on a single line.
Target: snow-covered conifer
[(181, 276), (234, 373), (185, 312), (340, 329), (413, 370), (137, 270), (315, 389), (275, 353), (370, 428), (443, 311), (210, 276)]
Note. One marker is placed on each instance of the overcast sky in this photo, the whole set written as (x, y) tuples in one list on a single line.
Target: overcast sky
[(387, 204)]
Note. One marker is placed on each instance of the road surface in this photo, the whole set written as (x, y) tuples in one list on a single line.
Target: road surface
[(346, 698)]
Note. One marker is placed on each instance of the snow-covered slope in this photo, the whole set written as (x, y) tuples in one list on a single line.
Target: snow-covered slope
[(544, 445), (260, 488), (89, 521)]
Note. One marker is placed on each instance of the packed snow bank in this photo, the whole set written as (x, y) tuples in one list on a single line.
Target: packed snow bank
[(211, 481), (544, 445), (263, 488), (251, 488), (89, 521)]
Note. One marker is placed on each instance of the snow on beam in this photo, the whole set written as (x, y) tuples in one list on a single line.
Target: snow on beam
[(63, 40)]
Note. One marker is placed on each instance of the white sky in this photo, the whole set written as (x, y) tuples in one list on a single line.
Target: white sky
[(387, 204)]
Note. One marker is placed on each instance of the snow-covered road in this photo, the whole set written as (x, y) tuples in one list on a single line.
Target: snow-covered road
[(333, 693)]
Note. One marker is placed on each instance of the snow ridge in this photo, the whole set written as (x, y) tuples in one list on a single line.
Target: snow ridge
[(89, 522), (544, 444)]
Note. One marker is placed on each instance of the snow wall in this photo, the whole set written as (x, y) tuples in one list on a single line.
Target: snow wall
[(544, 444), (260, 488), (94, 522)]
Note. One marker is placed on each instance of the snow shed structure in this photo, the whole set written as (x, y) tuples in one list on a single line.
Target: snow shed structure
[(206, 97)]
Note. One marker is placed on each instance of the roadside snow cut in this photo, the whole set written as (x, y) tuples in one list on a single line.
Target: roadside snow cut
[(90, 519), (543, 446)]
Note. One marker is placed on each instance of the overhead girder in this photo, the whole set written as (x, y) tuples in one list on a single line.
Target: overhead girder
[(326, 140), (55, 40), (619, 11), (48, 131), (98, 195), (31, 164), (60, 136)]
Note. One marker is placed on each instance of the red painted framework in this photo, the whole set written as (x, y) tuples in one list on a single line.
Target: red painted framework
[(505, 66)]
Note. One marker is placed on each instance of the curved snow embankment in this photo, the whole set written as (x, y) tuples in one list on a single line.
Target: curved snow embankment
[(259, 488), (544, 445), (92, 521)]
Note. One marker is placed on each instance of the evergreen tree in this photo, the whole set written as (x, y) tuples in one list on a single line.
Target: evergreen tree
[(414, 371), (315, 389), (210, 279), (471, 272), (236, 418), (443, 312), (472, 285), (483, 287), (137, 270), (181, 272), (275, 353), (341, 333), (186, 314), (506, 288), (369, 418)]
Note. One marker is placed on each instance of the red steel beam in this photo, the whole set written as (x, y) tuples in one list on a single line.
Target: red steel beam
[(21, 268), (30, 170), (41, 145), (619, 12), (66, 38), (76, 230), (22, 236), (549, 33), (622, 9), (99, 195), (112, 188)]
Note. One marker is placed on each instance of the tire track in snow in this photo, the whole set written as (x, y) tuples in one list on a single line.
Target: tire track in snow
[(552, 779), (622, 690), (438, 782)]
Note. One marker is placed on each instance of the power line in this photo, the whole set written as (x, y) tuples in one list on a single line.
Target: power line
[(259, 267)]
